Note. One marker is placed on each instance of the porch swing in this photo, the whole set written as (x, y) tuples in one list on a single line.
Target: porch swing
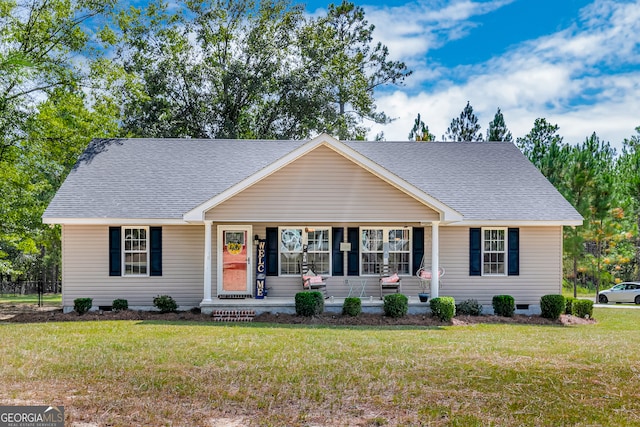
[(425, 275)]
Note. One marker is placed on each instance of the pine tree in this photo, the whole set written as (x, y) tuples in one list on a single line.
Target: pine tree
[(536, 144), (629, 172), (347, 67), (465, 127), (498, 130), (420, 131)]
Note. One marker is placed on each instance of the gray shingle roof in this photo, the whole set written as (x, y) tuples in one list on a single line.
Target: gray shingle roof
[(157, 178), (165, 178), (483, 181)]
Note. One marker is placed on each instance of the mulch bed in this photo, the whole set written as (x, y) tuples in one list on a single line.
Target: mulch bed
[(30, 314)]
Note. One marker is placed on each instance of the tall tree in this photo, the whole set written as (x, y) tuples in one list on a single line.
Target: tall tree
[(342, 58), (573, 180), (629, 176), (498, 130), (55, 136), (222, 69), (420, 131), (257, 90), (246, 69), (584, 174), (466, 127), (39, 39), (536, 144), (566, 168), (601, 224)]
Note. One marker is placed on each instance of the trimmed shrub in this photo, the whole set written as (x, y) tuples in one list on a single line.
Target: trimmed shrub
[(82, 305), (568, 302), (120, 305), (319, 296), (165, 304), (552, 306), (582, 308), (395, 305), (503, 305), (309, 303), (470, 307), (444, 308), (352, 306)]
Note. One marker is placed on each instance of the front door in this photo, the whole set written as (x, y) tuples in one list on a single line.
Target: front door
[(234, 260)]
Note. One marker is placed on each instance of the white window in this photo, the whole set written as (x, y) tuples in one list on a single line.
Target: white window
[(136, 250), (494, 251), (318, 243), (385, 244)]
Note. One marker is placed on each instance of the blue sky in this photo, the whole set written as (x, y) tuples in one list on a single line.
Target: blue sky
[(574, 62)]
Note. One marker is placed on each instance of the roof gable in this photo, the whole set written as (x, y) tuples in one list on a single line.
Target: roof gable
[(322, 186), (447, 213)]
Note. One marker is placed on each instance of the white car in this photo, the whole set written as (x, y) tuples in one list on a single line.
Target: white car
[(622, 292)]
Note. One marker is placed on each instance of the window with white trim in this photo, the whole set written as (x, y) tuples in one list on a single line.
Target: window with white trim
[(292, 242), (390, 243), (494, 251), (135, 252)]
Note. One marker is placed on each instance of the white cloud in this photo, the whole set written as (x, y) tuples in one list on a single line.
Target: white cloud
[(411, 30), (584, 78), (462, 10)]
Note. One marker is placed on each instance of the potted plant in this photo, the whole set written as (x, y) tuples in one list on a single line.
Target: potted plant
[(425, 282), (424, 285), (424, 297)]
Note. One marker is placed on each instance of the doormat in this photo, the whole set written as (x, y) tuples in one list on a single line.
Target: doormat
[(234, 296), (233, 315)]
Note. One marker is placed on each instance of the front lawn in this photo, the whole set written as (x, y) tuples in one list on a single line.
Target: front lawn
[(180, 373), (47, 299)]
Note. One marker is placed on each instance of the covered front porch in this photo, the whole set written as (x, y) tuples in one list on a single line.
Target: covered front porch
[(345, 278)]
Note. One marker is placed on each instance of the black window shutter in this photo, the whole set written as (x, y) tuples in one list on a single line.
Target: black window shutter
[(115, 257), (418, 248), (336, 254), (272, 251), (475, 252), (514, 251), (353, 257), (155, 255)]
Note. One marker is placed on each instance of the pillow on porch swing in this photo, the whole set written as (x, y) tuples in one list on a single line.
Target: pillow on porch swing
[(312, 277), (425, 274), (391, 279)]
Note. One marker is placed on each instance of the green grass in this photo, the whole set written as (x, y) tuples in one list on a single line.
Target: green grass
[(178, 373), (581, 292), (47, 299)]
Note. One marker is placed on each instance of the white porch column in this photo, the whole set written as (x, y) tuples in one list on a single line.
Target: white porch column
[(207, 262), (435, 259)]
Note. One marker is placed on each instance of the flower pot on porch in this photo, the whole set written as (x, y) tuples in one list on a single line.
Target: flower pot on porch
[(423, 297)]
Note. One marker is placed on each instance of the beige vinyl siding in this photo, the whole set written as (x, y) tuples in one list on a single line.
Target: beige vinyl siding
[(540, 267), (85, 268), (322, 186), (86, 271)]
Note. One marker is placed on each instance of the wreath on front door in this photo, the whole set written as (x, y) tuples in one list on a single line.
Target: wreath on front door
[(234, 248)]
